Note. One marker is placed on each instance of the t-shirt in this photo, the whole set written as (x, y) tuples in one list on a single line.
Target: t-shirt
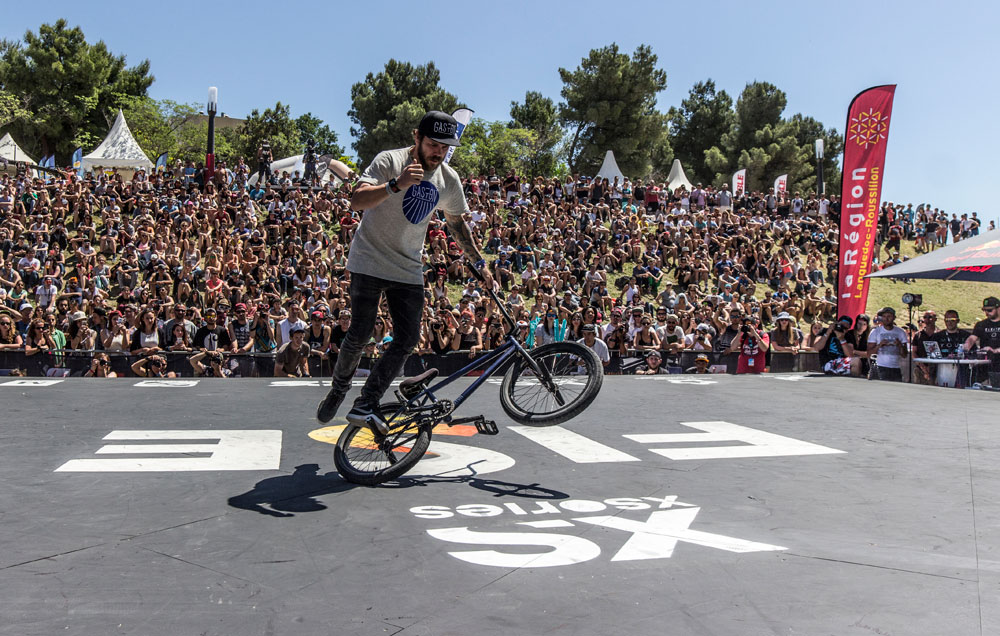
[(889, 356), (289, 358), (212, 339), (950, 342), (988, 332), (390, 238)]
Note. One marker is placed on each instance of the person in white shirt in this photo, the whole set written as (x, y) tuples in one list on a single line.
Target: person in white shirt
[(293, 321), (889, 343), (595, 344)]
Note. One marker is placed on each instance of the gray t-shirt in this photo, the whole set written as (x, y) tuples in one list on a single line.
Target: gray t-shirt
[(390, 238)]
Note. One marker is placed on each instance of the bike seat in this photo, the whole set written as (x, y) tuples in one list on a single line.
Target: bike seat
[(411, 386)]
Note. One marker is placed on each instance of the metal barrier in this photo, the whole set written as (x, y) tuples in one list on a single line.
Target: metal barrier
[(74, 363)]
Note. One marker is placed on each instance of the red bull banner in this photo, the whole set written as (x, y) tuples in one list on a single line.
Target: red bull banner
[(865, 139), (780, 184), (739, 182)]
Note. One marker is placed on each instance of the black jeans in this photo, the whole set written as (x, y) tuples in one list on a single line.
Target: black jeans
[(406, 305), (890, 374)]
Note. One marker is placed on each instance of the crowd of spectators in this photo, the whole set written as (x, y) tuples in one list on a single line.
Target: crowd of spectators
[(239, 279)]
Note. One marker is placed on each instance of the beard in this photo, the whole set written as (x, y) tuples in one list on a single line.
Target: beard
[(428, 162)]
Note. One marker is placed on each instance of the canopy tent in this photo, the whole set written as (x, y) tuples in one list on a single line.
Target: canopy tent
[(677, 178), (118, 150), (10, 151), (974, 259), (609, 169)]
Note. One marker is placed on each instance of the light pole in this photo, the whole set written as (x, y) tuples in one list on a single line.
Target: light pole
[(213, 106), (819, 168)]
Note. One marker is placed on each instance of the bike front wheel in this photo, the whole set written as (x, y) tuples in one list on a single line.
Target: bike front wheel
[(367, 459), (559, 382)]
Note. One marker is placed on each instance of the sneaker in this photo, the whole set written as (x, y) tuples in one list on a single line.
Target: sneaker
[(362, 414), (328, 407)]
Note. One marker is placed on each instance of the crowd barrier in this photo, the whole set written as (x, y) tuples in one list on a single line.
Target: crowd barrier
[(69, 363)]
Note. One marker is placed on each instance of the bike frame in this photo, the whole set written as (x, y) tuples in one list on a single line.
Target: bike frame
[(492, 361)]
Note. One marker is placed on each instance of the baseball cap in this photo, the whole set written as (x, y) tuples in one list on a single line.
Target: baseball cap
[(295, 330), (890, 310), (240, 307), (701, 358), (992, 301), (589, 328), (439, 126)]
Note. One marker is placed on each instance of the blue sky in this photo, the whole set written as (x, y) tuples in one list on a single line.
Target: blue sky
[(943, 140)]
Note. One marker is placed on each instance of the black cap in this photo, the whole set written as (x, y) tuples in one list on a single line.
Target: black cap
[(441, 127), (887, 310), (992, 301)]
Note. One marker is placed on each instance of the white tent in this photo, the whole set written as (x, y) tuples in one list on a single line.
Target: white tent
[(609, 169), (118, 150), (677, 178), (10, 151)]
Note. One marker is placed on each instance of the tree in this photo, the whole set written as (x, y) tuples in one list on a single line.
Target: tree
[(67, 87), (700, 122), (11, 109), (385, 108), (191, 146), (539, 115), (494, 144), (155, 123), (274, 124), (807, 130), (313, 128), (610, 103)]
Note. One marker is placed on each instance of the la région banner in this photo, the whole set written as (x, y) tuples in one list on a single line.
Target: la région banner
[(865, 140)]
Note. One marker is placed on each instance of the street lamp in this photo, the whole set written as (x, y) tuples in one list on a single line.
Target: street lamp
[(819, 168), (212, 107)]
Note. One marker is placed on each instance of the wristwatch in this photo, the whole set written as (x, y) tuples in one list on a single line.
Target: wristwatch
[(393, 188)]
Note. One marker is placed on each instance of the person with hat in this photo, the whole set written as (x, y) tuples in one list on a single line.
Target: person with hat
[(786, 337), (889, 344), (701, 365), (653, 365), (398, 192), (700, 339), (595, 344), (986, 335)]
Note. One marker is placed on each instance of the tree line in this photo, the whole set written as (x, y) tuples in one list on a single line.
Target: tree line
[(59, 92)]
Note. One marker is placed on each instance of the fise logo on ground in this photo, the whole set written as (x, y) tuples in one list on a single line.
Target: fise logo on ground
[(649, 528)]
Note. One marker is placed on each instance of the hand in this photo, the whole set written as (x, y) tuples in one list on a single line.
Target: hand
[(412, 174)]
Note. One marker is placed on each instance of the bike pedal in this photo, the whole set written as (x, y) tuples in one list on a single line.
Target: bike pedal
[(486, 427)]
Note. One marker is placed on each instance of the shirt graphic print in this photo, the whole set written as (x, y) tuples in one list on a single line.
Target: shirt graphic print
[(419, 200)]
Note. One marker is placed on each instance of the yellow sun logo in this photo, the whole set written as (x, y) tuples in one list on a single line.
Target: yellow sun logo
[(868, 128)]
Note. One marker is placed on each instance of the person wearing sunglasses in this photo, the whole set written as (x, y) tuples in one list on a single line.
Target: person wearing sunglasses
[(986, 334), (9, 337)]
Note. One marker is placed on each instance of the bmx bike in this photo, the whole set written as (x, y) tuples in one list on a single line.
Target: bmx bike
[(547, 385)]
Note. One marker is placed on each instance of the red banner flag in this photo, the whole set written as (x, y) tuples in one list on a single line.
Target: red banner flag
[(865, 139)]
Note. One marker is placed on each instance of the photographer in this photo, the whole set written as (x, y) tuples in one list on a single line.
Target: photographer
[(215, 367), (309, 159), (152, 367), (752, 345), (834, 350), (100, 367), (264, 159)]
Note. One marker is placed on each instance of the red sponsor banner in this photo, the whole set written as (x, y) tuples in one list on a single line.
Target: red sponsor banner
[(865, 140)]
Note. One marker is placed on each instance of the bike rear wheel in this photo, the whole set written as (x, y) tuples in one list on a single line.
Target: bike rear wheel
[(568, 379), (367, 459)]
